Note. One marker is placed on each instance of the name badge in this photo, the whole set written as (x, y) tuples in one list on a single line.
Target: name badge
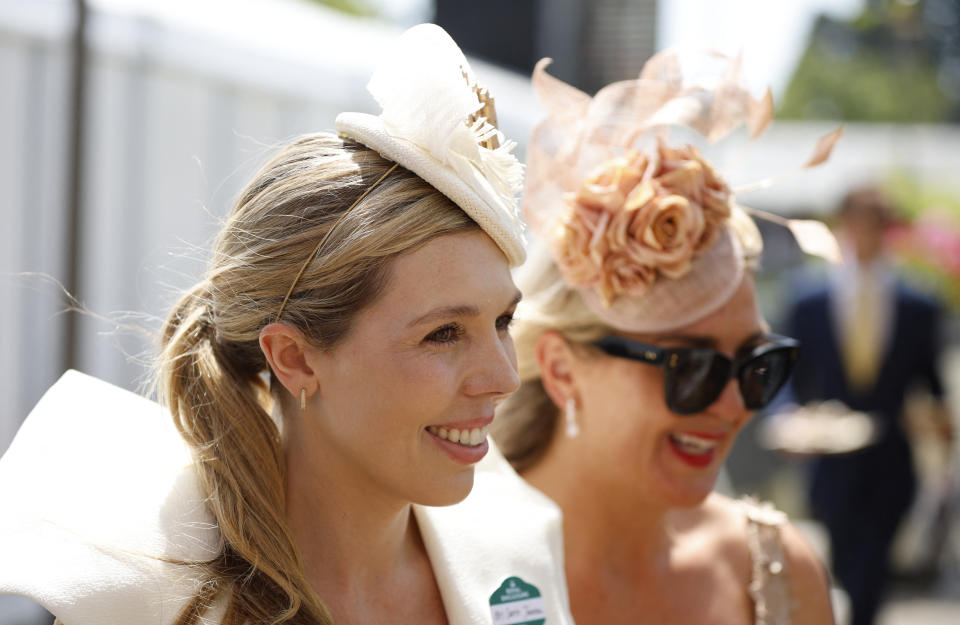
[(516, 602)]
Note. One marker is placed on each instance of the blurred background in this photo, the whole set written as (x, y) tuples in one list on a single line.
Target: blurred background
[(128, 126)]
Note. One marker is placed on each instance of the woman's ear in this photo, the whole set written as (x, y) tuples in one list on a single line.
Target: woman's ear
[(287, 351), (556, 362)]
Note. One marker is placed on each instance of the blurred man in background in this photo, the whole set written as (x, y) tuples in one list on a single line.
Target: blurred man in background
[(867, 340)]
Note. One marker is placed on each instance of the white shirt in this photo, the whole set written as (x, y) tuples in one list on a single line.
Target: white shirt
[(846, 280)]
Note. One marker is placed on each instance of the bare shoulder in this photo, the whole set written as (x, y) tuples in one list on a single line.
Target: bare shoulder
[(719, 521), (725, 516), (809, 585)]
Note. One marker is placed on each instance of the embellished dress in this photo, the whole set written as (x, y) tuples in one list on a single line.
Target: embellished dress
[(769, 583)]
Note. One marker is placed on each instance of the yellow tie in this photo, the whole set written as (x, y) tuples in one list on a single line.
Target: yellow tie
[(862, 340)]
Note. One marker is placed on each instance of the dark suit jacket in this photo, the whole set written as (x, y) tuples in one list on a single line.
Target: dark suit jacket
[(880, 478)]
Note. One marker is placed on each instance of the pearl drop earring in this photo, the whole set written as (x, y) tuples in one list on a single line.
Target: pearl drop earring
[(570, 416)]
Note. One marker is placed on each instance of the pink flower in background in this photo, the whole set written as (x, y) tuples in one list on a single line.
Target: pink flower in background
[(637, 218), (941, 239), (930, 248)]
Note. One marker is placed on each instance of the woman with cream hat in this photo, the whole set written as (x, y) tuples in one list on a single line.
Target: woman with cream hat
[(331, 380)]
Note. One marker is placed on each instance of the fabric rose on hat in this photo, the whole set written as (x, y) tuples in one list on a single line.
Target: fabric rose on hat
[(638, 218)]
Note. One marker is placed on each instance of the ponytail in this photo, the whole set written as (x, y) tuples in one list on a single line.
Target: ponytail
[(217, 404)]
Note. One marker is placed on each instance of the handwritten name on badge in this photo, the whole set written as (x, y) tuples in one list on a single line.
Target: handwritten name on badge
[(516, 602)]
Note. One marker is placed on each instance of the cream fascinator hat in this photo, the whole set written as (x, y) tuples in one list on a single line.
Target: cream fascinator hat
[(440, 124), (648, 233)]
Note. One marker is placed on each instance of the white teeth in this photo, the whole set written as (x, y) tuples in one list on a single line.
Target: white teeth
[(693, 444), (470, 438), (476, 437)]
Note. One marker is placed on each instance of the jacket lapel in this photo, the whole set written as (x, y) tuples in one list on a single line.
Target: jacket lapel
[(503, 538)]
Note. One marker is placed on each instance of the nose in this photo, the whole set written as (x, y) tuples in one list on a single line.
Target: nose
[(494, 369), (730, 405)]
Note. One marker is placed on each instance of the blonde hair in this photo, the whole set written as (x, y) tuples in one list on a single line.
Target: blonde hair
[(211, 363), (526, 421)]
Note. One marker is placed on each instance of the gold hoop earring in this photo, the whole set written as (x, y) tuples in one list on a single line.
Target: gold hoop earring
[(303, 399)]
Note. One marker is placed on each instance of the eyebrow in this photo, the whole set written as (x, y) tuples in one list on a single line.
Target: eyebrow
[(446, 312)]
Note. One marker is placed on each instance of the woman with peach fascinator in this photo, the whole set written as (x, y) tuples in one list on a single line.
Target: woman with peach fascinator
[(320, 455), (642, 353)]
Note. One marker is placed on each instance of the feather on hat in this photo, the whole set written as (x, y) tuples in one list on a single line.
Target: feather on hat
[(439, 124)]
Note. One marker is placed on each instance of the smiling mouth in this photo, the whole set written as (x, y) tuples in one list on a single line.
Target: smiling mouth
[(694, 445), (467, 438)]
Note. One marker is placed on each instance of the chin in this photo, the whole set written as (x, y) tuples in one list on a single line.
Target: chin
[(447, 492), (689, 499), (689, 494)]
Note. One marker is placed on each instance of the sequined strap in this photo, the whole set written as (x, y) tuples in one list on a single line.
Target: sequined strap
[(768, 580)]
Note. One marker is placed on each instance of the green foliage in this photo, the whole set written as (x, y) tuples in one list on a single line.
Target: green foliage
[(892, 63), (864, 86), (914, 200)]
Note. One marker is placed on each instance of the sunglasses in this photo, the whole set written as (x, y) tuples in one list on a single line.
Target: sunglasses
[(694, 377)]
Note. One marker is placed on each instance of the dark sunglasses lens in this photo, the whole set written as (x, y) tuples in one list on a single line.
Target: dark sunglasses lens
[(762, 377), (696, 379)]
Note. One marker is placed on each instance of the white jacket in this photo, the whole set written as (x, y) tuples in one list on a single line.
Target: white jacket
[(98, 485)]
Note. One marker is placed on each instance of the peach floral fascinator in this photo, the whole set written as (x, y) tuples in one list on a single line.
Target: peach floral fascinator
[(647, 230)]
